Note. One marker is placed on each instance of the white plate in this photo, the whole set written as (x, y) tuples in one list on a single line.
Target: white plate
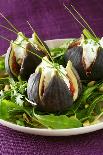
[(54, 132)]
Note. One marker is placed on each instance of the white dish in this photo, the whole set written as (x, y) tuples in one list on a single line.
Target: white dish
[(54, 132)]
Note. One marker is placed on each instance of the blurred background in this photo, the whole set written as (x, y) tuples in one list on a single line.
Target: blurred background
[(49, 18)]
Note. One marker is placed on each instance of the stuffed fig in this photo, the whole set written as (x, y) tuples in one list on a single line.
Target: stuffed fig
[(22, 55), (87, 57), (54, 89)]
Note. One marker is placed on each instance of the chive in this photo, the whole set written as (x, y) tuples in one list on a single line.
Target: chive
[(14, 28), (88, 35), (92, 106)]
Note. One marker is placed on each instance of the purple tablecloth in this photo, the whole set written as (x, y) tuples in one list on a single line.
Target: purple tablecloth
[(50, 20)]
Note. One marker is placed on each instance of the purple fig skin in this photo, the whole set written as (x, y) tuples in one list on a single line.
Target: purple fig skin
[(97, 67), (33, 87), (10, 62), (56, 97), (30, 62), (95, 71), (75, 56)]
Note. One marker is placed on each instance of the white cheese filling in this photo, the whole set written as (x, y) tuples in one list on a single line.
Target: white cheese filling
[(89, 52), (66, 80), (49, 72), (101, 42), (20, 48)]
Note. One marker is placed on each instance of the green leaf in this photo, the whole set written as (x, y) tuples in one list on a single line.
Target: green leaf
[(5, 107), (81, 114), (58, 122), (83, 99), (88, 91), (20, 122), (2, 63), (94, 103), (4, 80)]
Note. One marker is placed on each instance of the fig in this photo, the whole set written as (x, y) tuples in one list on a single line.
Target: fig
[(54, 89), (87, 57), (22, 56)]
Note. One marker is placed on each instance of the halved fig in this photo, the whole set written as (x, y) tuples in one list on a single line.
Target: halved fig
[(54, 90), (23, 56)]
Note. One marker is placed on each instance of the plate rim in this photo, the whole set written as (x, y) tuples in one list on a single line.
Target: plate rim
[(53, 132)]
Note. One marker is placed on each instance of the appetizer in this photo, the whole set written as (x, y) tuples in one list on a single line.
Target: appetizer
[(20, 58), (56, 88)]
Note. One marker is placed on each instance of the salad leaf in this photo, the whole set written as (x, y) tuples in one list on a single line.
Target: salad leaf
[(58, 122), (58, 52), (94, 103), (2, 63), (5, 107), (3, 73)]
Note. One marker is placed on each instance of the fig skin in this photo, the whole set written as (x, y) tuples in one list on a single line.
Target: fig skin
[(75, 56), (11, 66), (97, 67), (95, 71), (30, 62), (33, 87), (56, 98)]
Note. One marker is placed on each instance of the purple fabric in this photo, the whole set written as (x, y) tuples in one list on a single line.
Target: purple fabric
[(50, 20)]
